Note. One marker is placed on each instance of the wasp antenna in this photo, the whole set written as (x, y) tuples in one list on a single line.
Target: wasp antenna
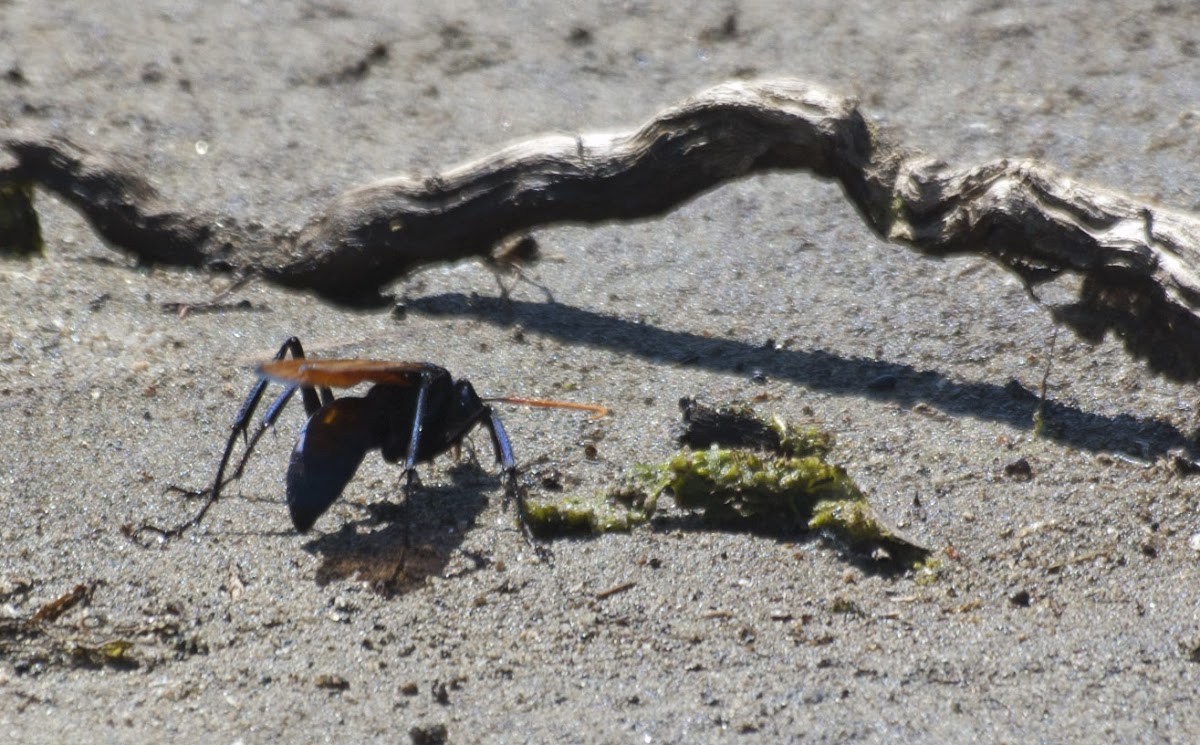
[(597, 410)]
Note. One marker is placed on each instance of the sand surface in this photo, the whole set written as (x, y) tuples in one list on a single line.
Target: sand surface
[(1067, 608)]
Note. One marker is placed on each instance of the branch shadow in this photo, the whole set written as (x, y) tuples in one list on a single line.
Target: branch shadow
[(1011, 404)]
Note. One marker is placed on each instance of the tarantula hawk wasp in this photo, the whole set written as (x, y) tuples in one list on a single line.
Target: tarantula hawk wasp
[(412, 412)]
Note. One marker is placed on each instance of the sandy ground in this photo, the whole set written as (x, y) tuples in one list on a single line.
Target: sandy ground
[(1066, 609)]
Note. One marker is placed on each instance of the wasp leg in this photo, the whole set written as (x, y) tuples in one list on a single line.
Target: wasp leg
[(241, 426), (414, 437), (410, 459), (399, 513), (512, 487), (313, 399)]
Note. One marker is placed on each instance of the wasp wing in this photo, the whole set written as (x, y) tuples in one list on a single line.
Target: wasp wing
[(331, 447), (307, 371)]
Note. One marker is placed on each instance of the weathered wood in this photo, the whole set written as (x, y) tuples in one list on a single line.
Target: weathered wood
[(1140, 263)]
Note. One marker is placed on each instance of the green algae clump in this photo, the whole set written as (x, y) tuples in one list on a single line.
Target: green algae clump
[(614, 511), (742, 471), (733, 484), (853, 523)]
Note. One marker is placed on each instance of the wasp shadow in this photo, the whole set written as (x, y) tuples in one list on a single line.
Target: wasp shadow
[(1011, 403), (397, 546)]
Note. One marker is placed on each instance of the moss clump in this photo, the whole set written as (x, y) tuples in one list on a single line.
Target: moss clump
[(752, 473), (599, 513), (928, 570), (764, 474), (853, 522), (801, 440), (850, 517), (733, 484)]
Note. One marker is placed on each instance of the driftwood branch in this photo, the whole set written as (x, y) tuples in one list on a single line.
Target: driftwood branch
[(1140, 264)]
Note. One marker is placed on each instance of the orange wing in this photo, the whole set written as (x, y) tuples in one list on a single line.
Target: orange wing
[(347, 373)]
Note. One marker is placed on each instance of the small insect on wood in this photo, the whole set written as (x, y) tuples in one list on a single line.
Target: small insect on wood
[(413, 412)]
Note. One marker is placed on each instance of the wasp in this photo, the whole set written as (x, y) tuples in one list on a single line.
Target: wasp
[(413, 412)]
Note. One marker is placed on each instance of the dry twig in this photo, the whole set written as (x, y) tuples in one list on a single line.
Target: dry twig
[(1139, 263)]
